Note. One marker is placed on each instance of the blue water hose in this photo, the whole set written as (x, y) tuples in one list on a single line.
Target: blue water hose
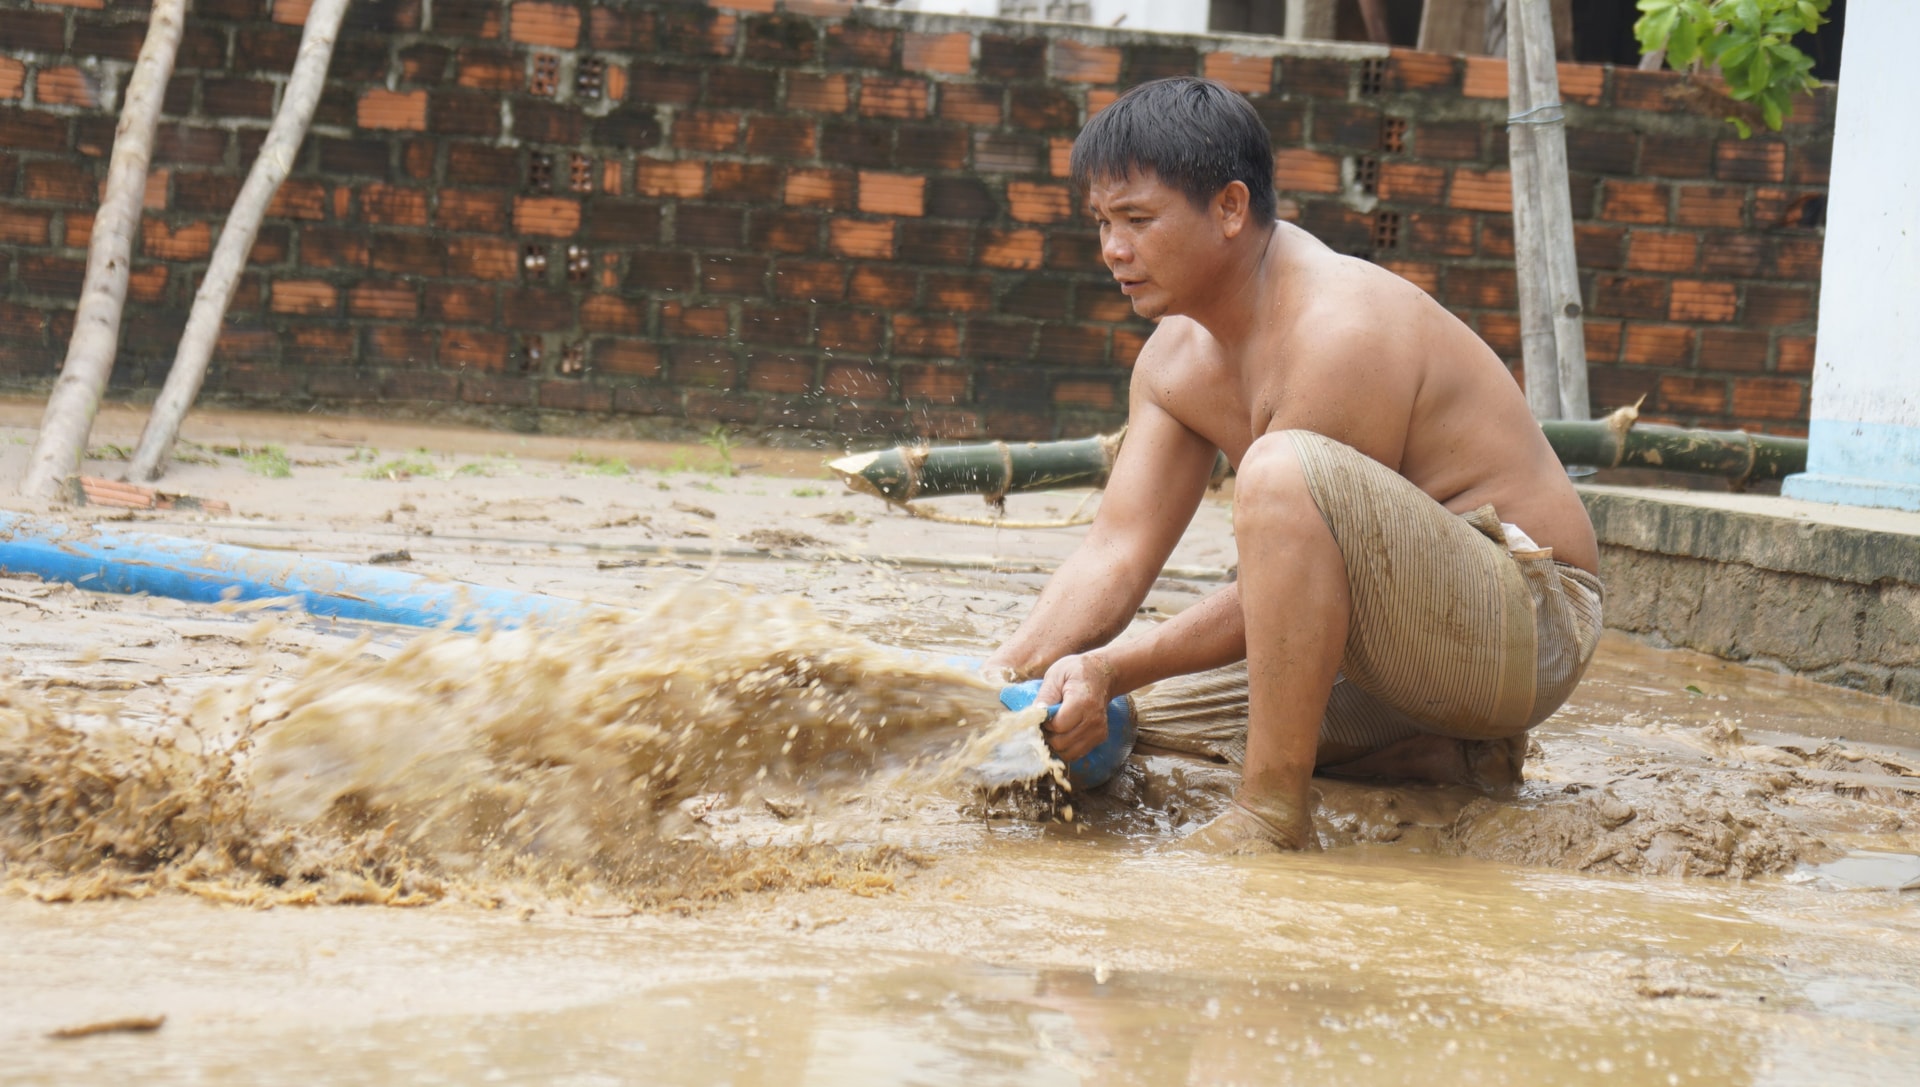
[(100, 560)]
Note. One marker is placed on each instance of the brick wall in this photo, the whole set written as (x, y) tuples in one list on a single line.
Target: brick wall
[(828, 220)]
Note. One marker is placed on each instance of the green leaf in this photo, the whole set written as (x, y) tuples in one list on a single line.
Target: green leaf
[(1691, 689), (1745, 129), (1771, 109), (1683, 48), (1760, 72)]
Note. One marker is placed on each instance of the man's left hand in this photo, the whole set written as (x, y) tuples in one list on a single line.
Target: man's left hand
[(1082, 684)]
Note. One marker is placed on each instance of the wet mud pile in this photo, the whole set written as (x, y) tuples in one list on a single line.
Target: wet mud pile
[(1657, 799), (606, 760)]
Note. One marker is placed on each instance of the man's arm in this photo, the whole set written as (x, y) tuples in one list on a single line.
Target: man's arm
[(1155, 487)]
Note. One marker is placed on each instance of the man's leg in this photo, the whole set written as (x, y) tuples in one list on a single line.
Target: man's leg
[(1294, 594)]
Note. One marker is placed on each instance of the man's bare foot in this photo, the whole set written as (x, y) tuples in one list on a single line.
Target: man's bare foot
[(1240, 831), (1492, 766)]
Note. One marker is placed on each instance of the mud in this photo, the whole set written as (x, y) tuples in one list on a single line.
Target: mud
[(1652, 904)]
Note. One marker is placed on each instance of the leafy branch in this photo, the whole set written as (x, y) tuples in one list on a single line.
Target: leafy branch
[(1750, 41)]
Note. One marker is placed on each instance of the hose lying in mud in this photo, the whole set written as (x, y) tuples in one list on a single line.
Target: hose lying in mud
[(997, 469), (137, 562)]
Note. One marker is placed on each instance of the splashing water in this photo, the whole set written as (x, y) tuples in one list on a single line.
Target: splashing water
[(589, 760)]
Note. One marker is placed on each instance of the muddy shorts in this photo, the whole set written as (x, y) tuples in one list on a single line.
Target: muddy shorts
[(1453, 631)]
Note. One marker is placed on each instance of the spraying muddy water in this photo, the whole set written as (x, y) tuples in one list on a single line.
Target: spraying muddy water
[(1655, 907)]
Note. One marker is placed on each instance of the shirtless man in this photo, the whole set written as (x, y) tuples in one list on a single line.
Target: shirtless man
[(1392, 624)]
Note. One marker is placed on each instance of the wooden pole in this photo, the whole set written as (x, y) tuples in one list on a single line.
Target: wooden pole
[(103, 294), (1311, 20), (1552, 335), (270, 168), (1454, 26)]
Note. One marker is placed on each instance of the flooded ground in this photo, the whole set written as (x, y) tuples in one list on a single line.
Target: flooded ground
[(1659, 906)]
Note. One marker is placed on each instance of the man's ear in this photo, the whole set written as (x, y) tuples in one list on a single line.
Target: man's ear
[(1231, 207)]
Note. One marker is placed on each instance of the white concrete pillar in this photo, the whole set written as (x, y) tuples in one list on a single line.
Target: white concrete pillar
[(1865, 426)]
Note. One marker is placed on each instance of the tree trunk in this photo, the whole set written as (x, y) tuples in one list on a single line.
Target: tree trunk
[(96, 323), (1454, 26), (1311, 20), (1374, 14), (275, 160)]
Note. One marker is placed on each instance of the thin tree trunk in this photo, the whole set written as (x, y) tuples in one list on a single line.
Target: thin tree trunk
[(1310, 20), (1374, 14), (1454, 26), (275, 161), (75, 399)]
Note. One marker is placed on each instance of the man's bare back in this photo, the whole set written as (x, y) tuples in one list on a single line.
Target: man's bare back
[(1418, 392)]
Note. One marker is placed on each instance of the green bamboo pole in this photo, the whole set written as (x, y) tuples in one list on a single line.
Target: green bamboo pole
[(996, 469)]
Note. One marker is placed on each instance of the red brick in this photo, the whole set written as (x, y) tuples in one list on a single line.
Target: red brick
[(1015, 249), (460, 303), (1743, 255), (1248, 75), (383, 300), (1296, 169), (1486, 78), (13, 78), (636, 357), (1481, 190), (861, 239), (1769, 398), (470, 348), (706, 130), (1697, 300), (820, 189), (1075, 62), (1039, 201), (1668, 346), (1412, 182), (1408, 70), (1723, 349), (687, 180), (1796, 355), (27, 226), (1772, 306), (781, 137), (304, 296), (1583, 83), (746, 181), (60, 182), (937, 384), (65, 86), (812, 280), (1631, 297), (892, 194), (857, 381), (1692, 395), (1707, 205), (817, 93), (950, 54), (395, 110), (483, 258), (971, 103), (1662, 251), (159, 241), (300, 199), (461, 210), (536, 23), (916, 335), (881, 288), (393, 206), (848, 330), (952, 292), (1752, 160), (780, 374), (886, 96), (483, 69), (1633, 201), (856, 46), (546, 216), (611, 313)]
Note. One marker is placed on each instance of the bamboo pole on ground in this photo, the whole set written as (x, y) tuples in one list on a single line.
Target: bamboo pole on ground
[(103, 294), (1552, 339), (996, 469), (270, 169)]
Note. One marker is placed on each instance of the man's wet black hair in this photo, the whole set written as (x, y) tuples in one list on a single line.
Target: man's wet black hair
[(1195, 134)]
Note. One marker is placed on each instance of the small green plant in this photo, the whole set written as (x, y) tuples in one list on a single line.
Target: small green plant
[(809, 492), (267, 460), (1750, 41), (108, 452), (416, 463), (599, 466), (722, 443), (363, 455)]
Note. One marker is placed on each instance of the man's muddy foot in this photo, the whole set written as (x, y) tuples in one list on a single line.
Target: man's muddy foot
[(1238, 831), (1491, 766)]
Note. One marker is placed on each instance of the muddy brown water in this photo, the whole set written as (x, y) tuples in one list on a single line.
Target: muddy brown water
[(1595, 929)]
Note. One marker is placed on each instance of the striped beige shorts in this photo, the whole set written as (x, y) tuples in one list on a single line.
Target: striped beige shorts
[(1452, 632)]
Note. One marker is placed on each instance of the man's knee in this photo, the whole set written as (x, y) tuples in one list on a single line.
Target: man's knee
[(1271, 484)]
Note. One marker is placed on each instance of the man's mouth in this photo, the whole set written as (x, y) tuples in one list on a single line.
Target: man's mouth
[(1128, 286)]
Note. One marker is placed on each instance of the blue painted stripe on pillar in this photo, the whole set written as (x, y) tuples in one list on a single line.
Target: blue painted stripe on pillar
[(1870, 452)]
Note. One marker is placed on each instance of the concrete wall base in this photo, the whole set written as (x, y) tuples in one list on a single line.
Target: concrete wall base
[(1828, 592)]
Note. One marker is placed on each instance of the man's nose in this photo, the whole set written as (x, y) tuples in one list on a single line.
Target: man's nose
[(1114, 249)]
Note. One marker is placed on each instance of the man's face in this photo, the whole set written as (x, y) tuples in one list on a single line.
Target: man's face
[(1153, 239)]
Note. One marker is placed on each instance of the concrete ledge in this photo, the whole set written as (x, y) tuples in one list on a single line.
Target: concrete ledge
[(1829, 592)]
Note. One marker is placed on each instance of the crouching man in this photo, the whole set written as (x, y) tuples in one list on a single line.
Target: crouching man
[(1416, 575)]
